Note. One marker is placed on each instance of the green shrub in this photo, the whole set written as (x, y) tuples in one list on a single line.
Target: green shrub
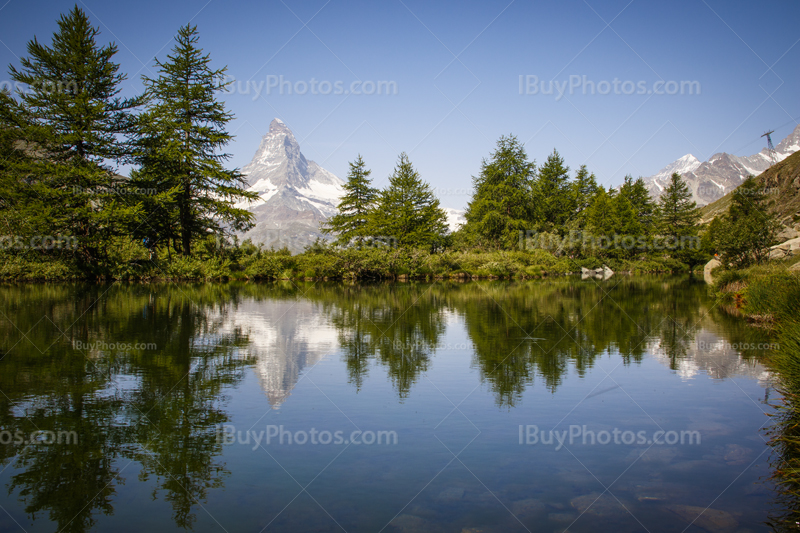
[(181, 267), (17, 267), (216, 268)]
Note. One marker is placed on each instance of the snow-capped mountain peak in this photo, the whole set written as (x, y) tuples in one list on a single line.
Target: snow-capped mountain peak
[(295, 194), (722, 173), (682, 166)]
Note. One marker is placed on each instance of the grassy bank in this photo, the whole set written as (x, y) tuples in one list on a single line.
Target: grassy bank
[(769, 296), (245, 261)]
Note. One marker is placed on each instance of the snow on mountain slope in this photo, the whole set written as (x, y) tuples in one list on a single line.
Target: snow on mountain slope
[(295, 194), (722, 173), (455, 217), (682, 166)]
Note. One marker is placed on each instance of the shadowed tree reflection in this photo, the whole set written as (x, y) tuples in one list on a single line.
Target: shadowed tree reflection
[(49, 386), (397, 325), (165, 417), (522, 331), (178, 405)]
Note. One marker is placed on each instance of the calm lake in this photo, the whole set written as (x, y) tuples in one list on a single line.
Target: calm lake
[(630, 404)]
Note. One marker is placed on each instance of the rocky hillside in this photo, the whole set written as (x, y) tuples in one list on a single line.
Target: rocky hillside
[(782, 182)]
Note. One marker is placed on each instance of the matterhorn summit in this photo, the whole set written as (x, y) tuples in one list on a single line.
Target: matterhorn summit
[(295, 194)]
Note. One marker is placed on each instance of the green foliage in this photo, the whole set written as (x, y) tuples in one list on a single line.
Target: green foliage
[(407, 212), (351, 222), (677, 212), (500, 207), (62, 130), (644, 209), (19, 268), (178, 140), (773, 292), (584, 191), (677, 221), (553, 201), (602, 223), (744, 234)]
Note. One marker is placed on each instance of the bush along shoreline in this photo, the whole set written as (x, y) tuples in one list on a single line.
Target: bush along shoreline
[(245, 261)]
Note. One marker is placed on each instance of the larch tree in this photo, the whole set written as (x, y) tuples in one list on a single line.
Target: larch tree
[(500, 208), (407, 211), (351, 221), (179, 139), (553, 201), (677, 219), (744, 234), (71, 122)]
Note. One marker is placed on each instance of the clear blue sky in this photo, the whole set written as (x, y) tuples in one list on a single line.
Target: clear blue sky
[(456, 67)]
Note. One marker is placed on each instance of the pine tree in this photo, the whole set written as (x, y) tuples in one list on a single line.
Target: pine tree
[(500, 207), (553, 201), (13, 200), (744, 234), (628, 230), (641, 202), (601, 221), (352, 217), (584, 189), (178, 140), (677, 219), (70, 124), (408, 212)]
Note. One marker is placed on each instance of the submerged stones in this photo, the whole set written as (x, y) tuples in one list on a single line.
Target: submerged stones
[(736, 455), (408, 523), (601, 505), (453, 494), (654, 455), (562, 518), (528, 508), (712, 520)]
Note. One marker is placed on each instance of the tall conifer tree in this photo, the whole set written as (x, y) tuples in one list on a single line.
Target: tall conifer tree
[(407, 211), (352, 218), (744, 234), (71, 124), (179, 139), (584, 190), (500, 207), (677, 219), (553, 201)]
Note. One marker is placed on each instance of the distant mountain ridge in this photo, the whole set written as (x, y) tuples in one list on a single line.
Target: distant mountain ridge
[(713, 179), (782, 184)]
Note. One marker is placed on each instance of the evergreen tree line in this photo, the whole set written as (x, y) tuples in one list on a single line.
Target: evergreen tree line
[(406, 213), (516, 204), (64, 135)]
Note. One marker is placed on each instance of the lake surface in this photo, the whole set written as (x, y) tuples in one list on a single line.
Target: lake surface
[(630, 404)]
